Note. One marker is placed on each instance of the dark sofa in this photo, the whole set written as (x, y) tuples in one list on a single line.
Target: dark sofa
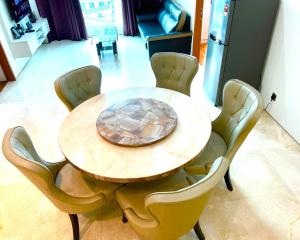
[(166, 30)]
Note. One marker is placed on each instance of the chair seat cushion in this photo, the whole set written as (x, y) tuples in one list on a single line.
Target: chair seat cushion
[(215, 148), (150, 28), (74, 183), (133, 195)]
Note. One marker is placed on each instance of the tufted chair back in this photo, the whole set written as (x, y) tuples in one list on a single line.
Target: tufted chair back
[(75, 87), (177, 212), (19, 150), (174, 71), (242, 106)]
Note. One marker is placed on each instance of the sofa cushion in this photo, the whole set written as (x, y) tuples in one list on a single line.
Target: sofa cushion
[(167, 22), (171, 17), (150, 28), (146, 17), (177, 12)]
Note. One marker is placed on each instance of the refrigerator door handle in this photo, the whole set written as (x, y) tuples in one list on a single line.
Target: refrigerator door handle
[(221, 43), (213, 37)]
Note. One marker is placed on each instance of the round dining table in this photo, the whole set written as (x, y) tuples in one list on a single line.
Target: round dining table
[(86, 150)]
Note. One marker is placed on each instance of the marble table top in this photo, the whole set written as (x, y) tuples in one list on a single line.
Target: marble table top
[(85, 149), (136, 122)]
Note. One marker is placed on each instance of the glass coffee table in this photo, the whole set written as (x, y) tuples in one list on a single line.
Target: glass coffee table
[(107, 39)]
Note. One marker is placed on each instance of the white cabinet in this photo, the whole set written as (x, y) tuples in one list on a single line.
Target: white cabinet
[(30, 42)]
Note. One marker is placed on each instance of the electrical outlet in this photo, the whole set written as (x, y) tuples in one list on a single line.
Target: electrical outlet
[(273, 97)]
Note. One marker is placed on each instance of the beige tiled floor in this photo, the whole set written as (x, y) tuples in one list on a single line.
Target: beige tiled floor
[(265, 203)]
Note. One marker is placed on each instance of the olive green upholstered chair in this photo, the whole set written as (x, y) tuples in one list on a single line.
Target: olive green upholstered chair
[(76, 86), (174, 71), (63, 185), (168, 208), (242, 106)]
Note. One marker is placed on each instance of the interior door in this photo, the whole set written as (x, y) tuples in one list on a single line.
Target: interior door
[(197, 28), (2, 75), (4, 65)]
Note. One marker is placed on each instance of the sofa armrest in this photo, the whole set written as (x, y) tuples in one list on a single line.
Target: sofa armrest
[(166, 36), (174, 42)]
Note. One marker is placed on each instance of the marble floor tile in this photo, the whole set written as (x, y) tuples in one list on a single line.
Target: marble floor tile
[(254, 218), (265, 203)]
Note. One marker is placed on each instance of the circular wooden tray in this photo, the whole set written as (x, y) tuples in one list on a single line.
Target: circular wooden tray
[(137, 122)]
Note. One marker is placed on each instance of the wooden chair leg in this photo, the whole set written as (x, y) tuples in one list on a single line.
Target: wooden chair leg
[(228, 181), (124, 219), (75, 226), (198, 231)]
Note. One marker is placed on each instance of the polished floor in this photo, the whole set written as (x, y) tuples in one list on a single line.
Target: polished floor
[(265, 203)]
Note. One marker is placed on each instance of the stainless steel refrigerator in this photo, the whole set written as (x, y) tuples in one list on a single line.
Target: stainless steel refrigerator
[(239, 36)]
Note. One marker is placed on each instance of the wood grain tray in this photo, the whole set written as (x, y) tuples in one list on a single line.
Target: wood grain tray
[(137, 122)]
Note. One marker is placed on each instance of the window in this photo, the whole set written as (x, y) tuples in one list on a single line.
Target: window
[(92, 5), (99, 13)]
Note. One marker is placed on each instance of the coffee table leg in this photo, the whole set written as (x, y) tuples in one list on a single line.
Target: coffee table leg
[(99, 48), (115, 50)]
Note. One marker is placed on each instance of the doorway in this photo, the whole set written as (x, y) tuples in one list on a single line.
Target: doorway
[(6, 73), (201, 30)]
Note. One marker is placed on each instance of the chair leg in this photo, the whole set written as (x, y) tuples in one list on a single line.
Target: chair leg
[(124, 219), (75, 226), (198, 231), (115, 49), (228, 181)]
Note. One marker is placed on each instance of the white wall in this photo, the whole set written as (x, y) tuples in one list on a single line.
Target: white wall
[(282, 71), (6, 22), (205, 20)]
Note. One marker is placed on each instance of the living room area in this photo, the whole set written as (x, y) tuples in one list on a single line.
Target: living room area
[(264, 203), (99, 18)]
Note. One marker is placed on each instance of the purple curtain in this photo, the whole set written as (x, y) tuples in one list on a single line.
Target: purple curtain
[(130, 8), (129, 18), (146, 6), (65, 19)]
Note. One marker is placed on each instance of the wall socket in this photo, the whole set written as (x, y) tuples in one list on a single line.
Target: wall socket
[(273, 97)]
